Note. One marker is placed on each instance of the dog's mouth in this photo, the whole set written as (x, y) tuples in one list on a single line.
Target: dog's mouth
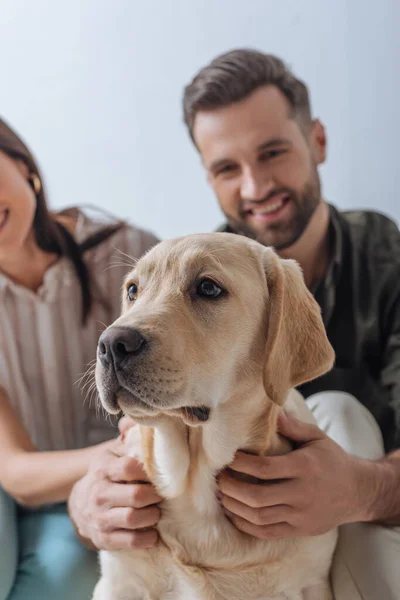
[(139, 409), (192, 416), (195, 414), (145, 398)]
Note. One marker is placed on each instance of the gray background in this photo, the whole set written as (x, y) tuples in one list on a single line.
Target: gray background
[(95, 87)]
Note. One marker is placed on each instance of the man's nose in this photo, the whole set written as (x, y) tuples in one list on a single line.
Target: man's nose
[(119, 344), (255, 185)]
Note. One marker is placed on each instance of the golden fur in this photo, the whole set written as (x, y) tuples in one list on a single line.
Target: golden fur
[(240, 355)]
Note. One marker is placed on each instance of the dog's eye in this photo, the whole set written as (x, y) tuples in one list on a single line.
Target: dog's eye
[(207, 288), (132, 292)]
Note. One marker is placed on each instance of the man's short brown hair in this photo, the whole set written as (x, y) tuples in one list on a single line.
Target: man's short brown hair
[(233, 76)]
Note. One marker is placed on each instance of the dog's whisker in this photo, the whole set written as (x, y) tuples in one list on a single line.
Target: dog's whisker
[(89, 395), (119, 264), (131, 258), (132, 261), (87, 383)]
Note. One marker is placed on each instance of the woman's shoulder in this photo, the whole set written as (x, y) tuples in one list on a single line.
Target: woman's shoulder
[(89, 223)]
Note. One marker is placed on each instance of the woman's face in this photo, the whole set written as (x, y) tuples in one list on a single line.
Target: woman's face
[(17, 205)]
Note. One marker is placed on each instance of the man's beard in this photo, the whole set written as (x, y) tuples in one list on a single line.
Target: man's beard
[(284, 234)]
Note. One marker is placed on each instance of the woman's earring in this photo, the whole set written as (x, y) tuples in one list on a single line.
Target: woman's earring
[(36, 183)]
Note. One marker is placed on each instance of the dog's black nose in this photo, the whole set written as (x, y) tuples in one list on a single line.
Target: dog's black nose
[(118, 344)]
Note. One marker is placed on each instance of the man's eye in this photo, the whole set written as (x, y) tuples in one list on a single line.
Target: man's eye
[(226, 170), (207, 288), (132, 292), (271, 154)]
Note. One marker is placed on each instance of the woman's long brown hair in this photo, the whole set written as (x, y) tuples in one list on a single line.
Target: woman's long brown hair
[(51, 236)]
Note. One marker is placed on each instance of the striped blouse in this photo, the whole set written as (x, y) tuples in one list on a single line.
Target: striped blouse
[(45, 349)]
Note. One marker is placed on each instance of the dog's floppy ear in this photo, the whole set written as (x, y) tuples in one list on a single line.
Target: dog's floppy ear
[(297, 348)]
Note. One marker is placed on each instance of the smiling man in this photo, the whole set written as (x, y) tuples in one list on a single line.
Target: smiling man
[(260, 165), (250, 119)]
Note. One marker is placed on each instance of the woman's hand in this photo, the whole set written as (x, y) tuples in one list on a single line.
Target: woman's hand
[(114, 507)]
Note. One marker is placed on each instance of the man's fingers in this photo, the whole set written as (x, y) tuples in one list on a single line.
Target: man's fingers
[(128, 540), (136, 495), (266, 532), (130, 518), (265, 467), (296, 430), (258, 516), (256, 495), (125, 469)]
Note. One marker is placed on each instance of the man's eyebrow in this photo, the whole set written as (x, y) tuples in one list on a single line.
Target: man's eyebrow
[(272, 143), (221, 162)]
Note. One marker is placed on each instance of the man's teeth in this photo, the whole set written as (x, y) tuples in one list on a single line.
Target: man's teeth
[(265, 210)]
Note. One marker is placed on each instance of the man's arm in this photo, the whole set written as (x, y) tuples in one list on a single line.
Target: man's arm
[(311, 490), (385, 481), (386, 472)]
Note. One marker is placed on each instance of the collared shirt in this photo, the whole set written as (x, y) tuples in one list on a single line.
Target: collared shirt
[(45, 349), (360, 303)]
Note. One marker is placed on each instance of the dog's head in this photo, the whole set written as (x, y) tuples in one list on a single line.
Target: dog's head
[(202, 316)]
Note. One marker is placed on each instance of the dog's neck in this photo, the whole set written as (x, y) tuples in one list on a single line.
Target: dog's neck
[(184, 461)]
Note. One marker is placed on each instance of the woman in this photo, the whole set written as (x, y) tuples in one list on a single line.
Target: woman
[(59, 281)]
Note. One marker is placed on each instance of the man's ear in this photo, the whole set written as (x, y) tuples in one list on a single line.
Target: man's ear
[(318, 141), (297, 348)]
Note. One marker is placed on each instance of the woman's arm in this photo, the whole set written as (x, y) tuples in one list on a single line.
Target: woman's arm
[(31, 477)]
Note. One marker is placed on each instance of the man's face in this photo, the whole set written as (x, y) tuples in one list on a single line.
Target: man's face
[(262, 166)]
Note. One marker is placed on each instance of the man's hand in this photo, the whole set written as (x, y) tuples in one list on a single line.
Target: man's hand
[(309, 491), (114, 506)]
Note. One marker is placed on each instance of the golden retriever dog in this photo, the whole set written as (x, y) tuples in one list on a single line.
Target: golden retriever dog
[(215, 333)]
